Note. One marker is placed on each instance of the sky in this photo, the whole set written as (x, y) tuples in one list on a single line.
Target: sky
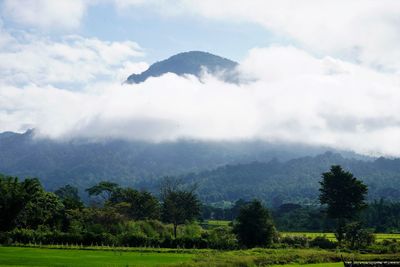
[(320, 72)]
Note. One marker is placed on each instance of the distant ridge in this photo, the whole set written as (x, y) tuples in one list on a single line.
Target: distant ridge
[(193, 62)]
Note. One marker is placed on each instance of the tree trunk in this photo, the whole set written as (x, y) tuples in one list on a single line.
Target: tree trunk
[(341, 223), (175, 226)]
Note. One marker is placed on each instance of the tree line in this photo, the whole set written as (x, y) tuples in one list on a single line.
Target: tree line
[(124, 216)]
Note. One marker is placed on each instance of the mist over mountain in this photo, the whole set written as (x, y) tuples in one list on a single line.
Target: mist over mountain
[(224, 171), (83, 162), (276, 172), (194, 63)]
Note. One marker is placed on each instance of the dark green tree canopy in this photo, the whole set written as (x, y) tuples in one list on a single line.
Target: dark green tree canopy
[(134, 204), (67, 191), (103, 189), (343, 194), (45, 208), (69, 196), (14, 196), (254, 226)]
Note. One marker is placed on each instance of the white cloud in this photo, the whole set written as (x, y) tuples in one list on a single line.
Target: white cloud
[(46, 14), (297, 98), (365, 31), (70, 60), (344, 94)]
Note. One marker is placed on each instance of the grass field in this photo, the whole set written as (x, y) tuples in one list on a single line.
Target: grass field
[(24, 256), (290, 257), (18, 256)]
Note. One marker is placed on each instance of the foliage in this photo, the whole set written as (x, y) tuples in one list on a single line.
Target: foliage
[(383, 216), (295, 241), (103, 189), (342, 193), (322, 242), (69, 196), (135, 205), (14, 198), (356, 237), (344, 196), (132, 218), (179, 206), (254, 226), (44, 209), (222, 238), (293, 181)]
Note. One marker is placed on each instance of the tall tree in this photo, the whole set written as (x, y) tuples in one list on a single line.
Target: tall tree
[(14, 196), (179, 204), (344, 196), (254, 225)]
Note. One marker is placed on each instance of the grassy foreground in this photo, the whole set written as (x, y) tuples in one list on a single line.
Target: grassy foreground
[(272, 257), (23, 256)]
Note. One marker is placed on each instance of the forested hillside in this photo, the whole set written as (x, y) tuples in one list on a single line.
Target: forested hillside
[(223, 171), (84, 163), (296, 180)]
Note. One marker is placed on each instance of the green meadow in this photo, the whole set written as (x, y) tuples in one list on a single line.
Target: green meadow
[(119, 257), (24, 256)]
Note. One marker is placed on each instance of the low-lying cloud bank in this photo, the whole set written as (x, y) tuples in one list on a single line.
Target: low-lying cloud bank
[(295, 97)]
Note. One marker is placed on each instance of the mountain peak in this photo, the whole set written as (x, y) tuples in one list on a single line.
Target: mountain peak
[(192, 62)]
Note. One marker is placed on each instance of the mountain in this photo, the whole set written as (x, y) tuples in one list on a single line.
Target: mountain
[(138, 164), (296, 180), (224, 171), (193, 62)]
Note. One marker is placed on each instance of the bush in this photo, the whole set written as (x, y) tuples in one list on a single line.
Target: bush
[(357, 237), (322, 242), (190, 230), (190, 242), (391, 245), (387, 246), (295, 241), (134, 239), (221, 238)]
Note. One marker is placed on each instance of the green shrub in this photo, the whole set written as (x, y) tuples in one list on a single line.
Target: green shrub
[(322, 242), (387, 246), (133, 239), (295, 241), (221, 238)]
